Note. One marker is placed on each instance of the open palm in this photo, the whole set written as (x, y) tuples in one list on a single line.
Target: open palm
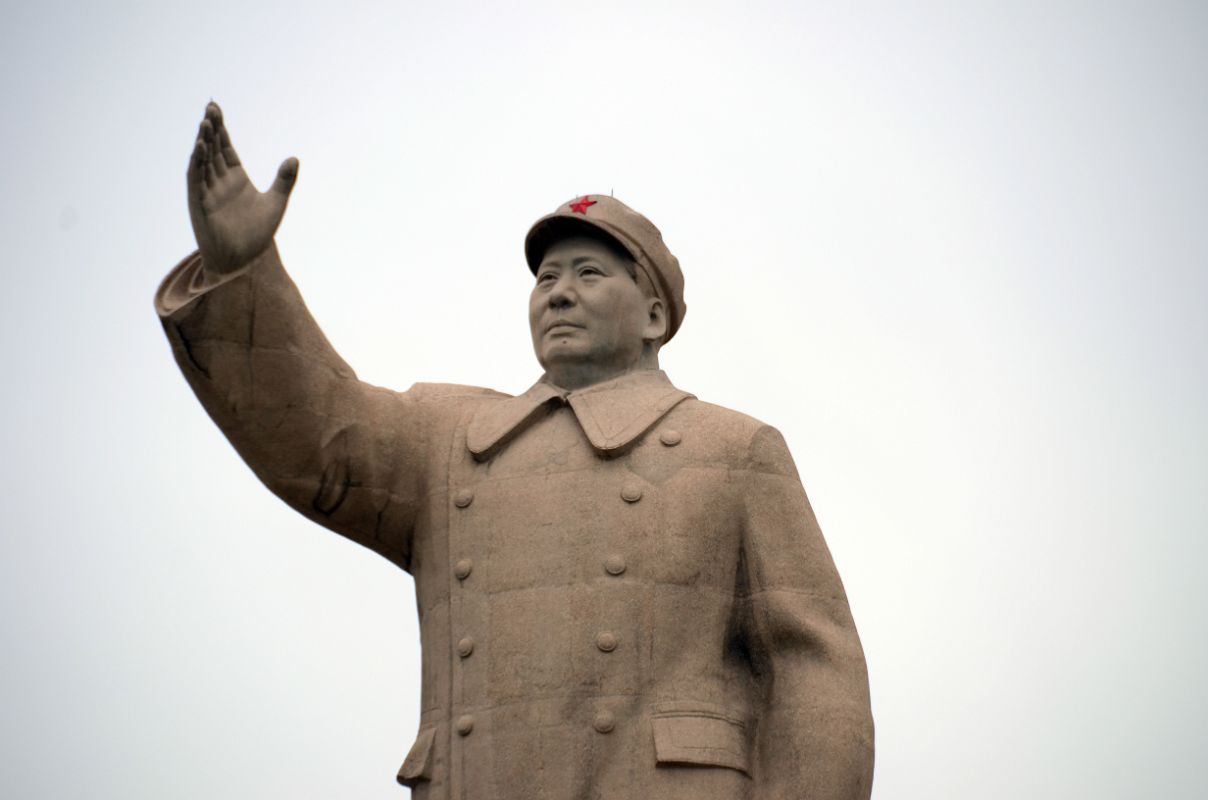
[(232, 220)]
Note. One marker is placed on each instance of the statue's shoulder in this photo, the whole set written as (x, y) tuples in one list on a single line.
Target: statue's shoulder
[(735, 438), (453, 392), (732, 430), (449, 403), (727, 424)]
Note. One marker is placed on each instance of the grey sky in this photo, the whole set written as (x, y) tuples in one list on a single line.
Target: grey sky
[(957, 253)]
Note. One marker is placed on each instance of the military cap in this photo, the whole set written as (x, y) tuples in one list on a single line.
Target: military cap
[(634, 233)]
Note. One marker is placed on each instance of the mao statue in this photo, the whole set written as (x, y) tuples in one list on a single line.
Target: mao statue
[(622, 589)]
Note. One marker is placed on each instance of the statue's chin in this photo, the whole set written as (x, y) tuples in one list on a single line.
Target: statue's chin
[(564, 351)]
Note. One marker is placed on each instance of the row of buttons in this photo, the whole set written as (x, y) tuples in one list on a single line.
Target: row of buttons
[(603, 722), (613, 565), (462, 569), (606, 641), (630, 492)]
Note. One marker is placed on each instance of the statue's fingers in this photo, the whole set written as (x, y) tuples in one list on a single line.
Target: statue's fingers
[(196, 176), (207, 136), (228, 152), (220, 165), (207, 167), (287, 175), (221, 136)]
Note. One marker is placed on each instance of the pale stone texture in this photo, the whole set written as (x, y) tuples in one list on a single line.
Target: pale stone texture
[(623, 591)]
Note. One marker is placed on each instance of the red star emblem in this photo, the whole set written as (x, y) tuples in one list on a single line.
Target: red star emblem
[(580, 205)]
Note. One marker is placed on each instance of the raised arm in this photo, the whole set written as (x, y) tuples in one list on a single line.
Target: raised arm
[(348, 455)]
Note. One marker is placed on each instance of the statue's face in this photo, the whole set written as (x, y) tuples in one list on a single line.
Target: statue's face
[(587, 313)]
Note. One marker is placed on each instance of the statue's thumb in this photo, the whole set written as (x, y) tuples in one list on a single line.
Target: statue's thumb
[(287, 175)]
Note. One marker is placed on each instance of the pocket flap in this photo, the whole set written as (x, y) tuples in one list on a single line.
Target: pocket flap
[(417, 766), (701, 737)]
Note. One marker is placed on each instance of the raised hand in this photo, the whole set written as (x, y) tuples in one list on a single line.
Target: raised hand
[(233, 222)]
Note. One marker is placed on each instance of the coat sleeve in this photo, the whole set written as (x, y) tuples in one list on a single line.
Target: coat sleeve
[(348, 455), (814, 735)]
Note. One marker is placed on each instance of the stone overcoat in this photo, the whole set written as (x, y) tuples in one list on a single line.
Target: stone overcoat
[(623, 592)]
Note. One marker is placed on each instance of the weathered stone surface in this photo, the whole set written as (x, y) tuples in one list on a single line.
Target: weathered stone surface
[(623, 591)]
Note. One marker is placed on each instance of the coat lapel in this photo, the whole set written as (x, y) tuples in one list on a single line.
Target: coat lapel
[(615, 413), (612, 414), (496, 423)]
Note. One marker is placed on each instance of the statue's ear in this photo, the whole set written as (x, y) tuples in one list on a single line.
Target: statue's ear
[(656, 324)]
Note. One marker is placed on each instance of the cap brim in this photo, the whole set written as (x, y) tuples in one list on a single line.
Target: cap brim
[(553, 227)]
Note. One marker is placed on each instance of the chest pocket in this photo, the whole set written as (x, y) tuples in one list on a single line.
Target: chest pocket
[(700, 735)]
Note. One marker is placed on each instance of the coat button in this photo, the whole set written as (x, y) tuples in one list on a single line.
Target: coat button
[(463, 498), (631, 492), (604, 722), (463, 568), (670, 438), (465, 647), (606, 641), (614, 565), (465, 724)]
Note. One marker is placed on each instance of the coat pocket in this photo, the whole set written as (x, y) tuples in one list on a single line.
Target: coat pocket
[(692, 734), (418, 764)]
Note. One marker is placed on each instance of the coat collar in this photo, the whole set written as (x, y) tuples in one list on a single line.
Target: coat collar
[(612, 414)]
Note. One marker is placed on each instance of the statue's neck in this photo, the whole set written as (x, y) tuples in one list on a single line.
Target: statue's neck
[(575, 376)]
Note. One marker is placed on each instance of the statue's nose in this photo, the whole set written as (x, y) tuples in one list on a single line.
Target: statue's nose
[(561, 296)]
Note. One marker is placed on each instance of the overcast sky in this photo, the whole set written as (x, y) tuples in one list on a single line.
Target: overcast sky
[(957, 253)]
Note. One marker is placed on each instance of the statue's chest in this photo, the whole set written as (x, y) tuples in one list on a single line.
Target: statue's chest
[(549, 509)]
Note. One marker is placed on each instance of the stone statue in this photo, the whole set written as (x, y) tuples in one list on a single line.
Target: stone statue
[(622, 590)]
